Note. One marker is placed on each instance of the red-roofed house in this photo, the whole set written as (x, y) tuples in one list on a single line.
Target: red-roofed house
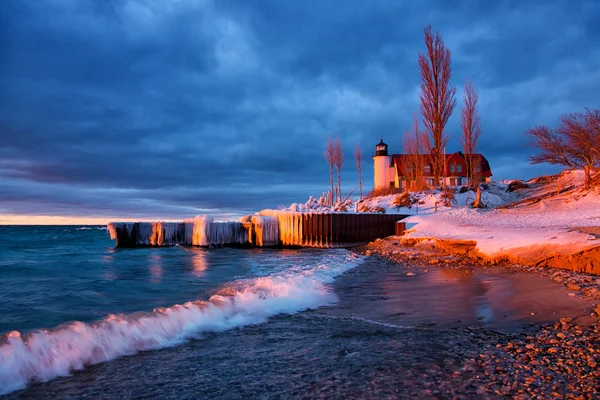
[(390, 170)]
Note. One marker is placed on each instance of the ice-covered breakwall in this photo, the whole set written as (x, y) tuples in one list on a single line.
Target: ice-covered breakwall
[(200, 231), (132, 234), (269, 228)]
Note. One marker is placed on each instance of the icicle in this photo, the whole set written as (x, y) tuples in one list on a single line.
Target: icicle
[(196, 230), (126, 229), (111, 227), (267, 230), (169, 233)]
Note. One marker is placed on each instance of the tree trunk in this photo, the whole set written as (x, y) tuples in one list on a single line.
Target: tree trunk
[(360, 184), (477, 202), (331, 182), (588, 175), (339, 184)]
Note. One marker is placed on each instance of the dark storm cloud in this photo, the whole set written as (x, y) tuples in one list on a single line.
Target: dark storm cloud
[(167, 109)]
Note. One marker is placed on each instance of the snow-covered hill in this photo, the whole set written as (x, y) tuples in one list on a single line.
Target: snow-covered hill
[(526, 218)]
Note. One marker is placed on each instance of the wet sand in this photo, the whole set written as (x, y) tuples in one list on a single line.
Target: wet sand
[(447, 297)]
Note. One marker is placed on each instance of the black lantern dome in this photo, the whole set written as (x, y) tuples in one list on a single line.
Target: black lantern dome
[(381, 149)]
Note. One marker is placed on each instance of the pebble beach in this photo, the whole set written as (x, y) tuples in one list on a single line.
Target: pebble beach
[(552, 353)]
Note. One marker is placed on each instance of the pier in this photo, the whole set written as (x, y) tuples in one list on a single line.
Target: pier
[(270, 228)]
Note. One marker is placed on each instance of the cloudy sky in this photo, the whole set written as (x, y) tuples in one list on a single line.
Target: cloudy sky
[(163, 109)]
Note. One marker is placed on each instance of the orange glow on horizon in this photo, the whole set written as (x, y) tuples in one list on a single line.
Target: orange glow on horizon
[(12, 219)]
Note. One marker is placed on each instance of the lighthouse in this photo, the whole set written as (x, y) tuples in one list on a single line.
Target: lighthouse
[(381, 165)]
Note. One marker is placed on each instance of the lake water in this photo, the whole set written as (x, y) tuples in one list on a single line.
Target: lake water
[(83, 319), (71, 300)]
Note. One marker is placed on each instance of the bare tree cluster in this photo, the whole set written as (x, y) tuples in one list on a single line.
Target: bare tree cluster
[(414, 162), (339, 161), (471, 130), (334, 156), (437, 96), (330, 158), (574, 144)]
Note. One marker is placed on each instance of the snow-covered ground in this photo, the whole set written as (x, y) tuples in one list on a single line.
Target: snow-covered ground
[(553, 221)]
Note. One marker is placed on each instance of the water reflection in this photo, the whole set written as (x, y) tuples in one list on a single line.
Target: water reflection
[(109, 273), (441, 296), (199, 260), (156, 268), (472, 291)]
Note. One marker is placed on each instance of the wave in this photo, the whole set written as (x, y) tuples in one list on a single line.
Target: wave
[(42, 355)]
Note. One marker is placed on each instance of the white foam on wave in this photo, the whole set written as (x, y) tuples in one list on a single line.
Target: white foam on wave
[(42, 355)]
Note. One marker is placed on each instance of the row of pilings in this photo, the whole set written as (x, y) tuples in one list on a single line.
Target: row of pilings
[(270, 228)]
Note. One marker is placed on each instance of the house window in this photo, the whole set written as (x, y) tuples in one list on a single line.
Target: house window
[(478, 168), (451, 168), (427, 169), (458, 167)]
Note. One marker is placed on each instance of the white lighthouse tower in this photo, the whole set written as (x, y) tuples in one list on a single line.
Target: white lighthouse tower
[(381, 166)]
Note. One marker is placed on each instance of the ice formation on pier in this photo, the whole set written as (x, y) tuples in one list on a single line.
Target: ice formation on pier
[(113, 226), (196, 230), (145, 233), (290, 226), (266, 229), (222, 233)]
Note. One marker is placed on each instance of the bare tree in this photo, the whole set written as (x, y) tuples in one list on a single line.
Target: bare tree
[(583, 132), (553, 147), (358, 159), (574, 144), (413, 162), (339, 161), (437, 95), (430, 150), (471, 129), (330, 154)]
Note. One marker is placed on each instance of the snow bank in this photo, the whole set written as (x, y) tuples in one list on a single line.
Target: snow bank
[(551, 222)]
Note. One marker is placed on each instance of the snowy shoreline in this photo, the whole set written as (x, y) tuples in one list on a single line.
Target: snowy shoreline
[(556, 230)]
